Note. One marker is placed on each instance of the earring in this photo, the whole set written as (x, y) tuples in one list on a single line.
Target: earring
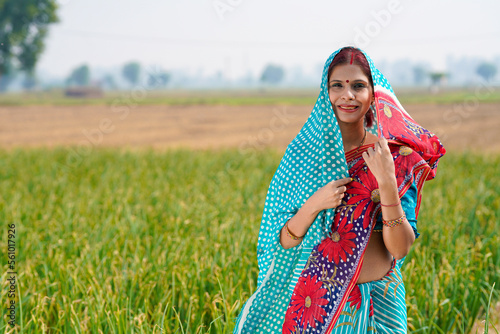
[(372, 107)]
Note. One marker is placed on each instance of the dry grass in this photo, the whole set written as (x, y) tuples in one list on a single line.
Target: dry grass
[(215, 126), (479, 326)]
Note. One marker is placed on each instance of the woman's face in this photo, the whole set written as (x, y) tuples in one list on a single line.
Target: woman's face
[(350, 93)]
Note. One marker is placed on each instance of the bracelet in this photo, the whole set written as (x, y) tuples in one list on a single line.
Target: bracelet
[(395, 222), (391, 205), (290, 234)]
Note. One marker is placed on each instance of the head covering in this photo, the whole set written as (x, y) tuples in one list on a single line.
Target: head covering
[(315, 157)]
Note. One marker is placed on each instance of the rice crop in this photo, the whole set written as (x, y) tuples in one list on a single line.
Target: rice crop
[(123, 241)]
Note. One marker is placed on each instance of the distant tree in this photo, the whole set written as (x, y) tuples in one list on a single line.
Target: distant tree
[(419, 75), (131, 72), (487, 71), (80, 76), (9, 76), (108, 81), (160, 79), (23, 27), (437, 79), (29, 82), (272, 74)]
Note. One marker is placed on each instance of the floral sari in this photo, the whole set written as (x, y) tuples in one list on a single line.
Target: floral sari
[(305, 289), (334, 265)]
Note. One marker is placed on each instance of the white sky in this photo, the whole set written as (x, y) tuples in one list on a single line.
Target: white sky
[(192, 35)]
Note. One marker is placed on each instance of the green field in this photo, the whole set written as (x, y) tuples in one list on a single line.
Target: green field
[(270, 96), (165, 242)]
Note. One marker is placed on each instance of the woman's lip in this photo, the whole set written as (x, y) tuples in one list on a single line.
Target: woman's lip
[(349, 108)]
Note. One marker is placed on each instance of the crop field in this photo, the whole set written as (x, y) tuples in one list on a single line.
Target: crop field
[(148, 221), (165, 242)]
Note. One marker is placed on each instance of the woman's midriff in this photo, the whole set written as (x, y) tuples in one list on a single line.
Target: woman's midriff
[(377, 260)]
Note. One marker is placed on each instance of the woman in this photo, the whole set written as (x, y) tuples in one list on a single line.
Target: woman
[(340, 214)]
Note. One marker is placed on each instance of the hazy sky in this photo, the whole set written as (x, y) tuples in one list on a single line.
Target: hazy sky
[(237, 36)]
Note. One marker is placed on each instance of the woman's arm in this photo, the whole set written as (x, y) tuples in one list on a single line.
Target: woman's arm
[(400, 238), (329, 196), (397, 239)]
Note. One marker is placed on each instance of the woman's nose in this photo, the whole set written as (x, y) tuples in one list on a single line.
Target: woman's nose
[(348, 95)]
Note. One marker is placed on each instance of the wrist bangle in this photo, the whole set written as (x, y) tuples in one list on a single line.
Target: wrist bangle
[(395, 222), (290, 234), (391, 205)]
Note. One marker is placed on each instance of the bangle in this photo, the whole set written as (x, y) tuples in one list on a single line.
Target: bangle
[(391, 205), (395, 222), (290, 234)]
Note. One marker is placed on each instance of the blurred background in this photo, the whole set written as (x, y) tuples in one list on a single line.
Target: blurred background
[(228, 44), (206, 55), (129, 127), (214, 53)]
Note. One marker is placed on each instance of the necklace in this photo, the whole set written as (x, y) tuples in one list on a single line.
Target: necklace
[(361, 144)]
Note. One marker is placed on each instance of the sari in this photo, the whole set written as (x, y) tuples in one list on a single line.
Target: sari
[(305, 289)]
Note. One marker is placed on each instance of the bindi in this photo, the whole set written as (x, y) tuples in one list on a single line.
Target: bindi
[(347, 81)]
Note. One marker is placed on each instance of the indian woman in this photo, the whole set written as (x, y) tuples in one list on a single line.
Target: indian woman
[(341, 211)]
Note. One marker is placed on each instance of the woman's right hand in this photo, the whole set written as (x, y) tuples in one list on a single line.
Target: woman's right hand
[(329, 196)]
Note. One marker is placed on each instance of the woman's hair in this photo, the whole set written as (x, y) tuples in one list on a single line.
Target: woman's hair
[(351, 55)]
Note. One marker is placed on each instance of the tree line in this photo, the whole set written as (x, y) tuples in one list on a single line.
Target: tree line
[(24, 26), (131, 72)]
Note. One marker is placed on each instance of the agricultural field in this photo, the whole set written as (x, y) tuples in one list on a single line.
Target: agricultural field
[(247, 127), (144, 219)]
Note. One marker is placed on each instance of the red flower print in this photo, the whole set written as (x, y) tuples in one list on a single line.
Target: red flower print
[(290, 322), (405, 159), (307, 301), (355, 297), (371, 307), (397, 124), (363, 193), (339, 243)]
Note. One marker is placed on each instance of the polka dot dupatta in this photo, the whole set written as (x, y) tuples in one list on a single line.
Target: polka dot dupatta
[(314, 158)]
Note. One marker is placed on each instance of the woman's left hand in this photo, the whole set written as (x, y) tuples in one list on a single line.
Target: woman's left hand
[(380, 162)]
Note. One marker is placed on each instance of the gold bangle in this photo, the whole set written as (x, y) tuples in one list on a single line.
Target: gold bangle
[(290, 234), (395, 222)]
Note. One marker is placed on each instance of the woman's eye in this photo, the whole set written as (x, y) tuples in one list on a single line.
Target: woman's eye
[(336, 85), (359, 86)]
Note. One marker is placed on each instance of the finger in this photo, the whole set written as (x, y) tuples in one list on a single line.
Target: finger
[(383, 142), (382, 147), (341, 189), (365, 155), (342, 182), (340, 199)]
